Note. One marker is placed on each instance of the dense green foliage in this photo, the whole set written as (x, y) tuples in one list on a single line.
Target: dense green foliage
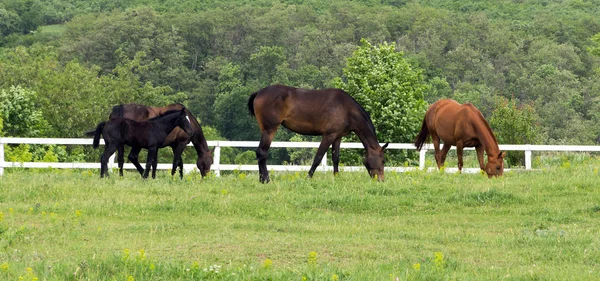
[(380, 79), (71, 225), (82, 57), (514, 125), (17, 107)]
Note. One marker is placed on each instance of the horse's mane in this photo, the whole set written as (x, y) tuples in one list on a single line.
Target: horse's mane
[(481, 119), (363, 112)]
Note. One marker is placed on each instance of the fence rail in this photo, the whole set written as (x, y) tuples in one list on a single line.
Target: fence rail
[(218, 167)]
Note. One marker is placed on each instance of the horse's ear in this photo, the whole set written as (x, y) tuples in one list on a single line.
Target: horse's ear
[(385, 145), (502, 154)]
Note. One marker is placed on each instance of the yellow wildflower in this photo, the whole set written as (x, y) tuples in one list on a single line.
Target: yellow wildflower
[(267, 263), (312, 258)]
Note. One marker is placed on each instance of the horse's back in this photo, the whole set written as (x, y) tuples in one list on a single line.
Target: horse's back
[(444, 110), (304, 111), (301, 100), (133, 111), (451, 121)]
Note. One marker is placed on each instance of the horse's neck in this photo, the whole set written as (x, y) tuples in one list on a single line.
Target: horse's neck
[(198, 140), (485, 135), (367, 137), (167, 123)]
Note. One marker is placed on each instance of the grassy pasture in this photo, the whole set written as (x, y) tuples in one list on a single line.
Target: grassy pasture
[(71, 225)]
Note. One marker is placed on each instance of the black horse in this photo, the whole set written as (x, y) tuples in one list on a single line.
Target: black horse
[(177, 139), (150, 134), (331, 113)]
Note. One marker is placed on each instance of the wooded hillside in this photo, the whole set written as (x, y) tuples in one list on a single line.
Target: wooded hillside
[(532, 67)]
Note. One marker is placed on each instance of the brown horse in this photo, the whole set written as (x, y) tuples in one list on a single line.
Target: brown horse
[(331, 113), (461, 125), (150, 134), (177, 139)]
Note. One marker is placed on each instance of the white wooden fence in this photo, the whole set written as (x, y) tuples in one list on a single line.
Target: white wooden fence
[(217, 167)]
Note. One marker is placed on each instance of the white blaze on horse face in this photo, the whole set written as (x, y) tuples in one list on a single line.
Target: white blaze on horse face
[(188, 118)]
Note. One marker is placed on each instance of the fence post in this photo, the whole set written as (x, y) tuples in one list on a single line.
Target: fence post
[(217, 160), (528, 159), (1, 157), (422, 158)]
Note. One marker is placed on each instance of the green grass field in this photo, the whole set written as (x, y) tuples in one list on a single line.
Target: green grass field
[(72, 225)]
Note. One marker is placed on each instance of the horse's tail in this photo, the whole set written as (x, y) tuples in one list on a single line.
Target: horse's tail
[(97, 134), (117, 111), (423, 135), (251, 103)]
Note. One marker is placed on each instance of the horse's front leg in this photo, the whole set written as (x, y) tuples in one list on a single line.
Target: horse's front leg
[(325, 143), (154, 163), (479, 150), (262, 153), (335, 155), (120, 158)]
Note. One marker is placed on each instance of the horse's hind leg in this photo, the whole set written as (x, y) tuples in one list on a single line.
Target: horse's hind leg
[(177, 161), (459, 154), (325, 143), (443, 155), (436, 148), (262, 153), (108, 151), (335, 154), (133, 158)]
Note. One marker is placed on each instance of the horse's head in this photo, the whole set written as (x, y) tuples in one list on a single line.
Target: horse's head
[(184, 122), (495, 165), (204, 162), (374, 160)]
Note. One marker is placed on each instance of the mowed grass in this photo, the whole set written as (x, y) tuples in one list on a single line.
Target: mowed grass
[(72, 225)]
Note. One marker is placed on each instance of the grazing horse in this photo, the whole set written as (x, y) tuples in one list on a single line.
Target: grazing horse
[(151, 134), (331, 113), (177, 139), (461, 125)]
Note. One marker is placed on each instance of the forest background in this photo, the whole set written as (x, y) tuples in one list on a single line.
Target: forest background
[(531, 67)]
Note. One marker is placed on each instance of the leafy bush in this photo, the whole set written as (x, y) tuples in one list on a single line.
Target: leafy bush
[(514, 124), (389, 89), (20, 113)]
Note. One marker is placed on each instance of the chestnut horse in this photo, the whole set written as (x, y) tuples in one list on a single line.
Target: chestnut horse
[(331, 113), (177, 139), (461, 125)]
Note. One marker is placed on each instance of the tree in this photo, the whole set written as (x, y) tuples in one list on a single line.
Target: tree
[(387, 87), (595, 48), (231, 116)]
